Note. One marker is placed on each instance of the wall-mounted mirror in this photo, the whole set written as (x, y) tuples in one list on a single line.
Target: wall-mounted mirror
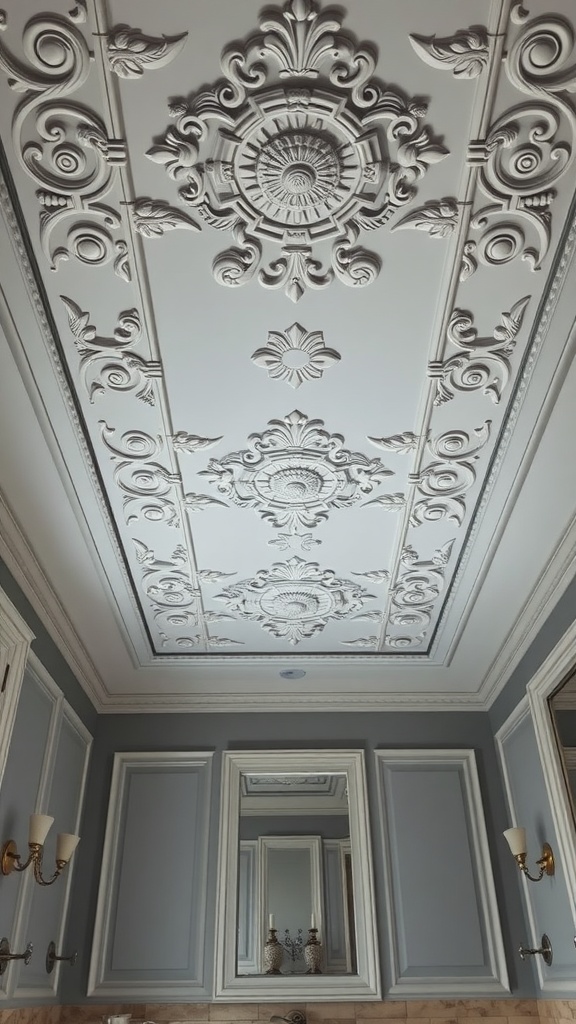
[(295, 915)]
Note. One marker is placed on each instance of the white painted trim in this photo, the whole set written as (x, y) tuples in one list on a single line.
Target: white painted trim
[(28, 574), (15, 975), (559, 663), (497, 982), (151, 990), (227, 986), (314, 846), (15, 639)]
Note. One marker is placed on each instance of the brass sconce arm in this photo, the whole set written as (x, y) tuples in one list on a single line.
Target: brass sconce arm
[(52, 958), (6, 955), (516, 839), (545, 863), (10, 859)]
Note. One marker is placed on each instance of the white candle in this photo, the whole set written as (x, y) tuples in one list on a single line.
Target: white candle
[(270, 920), (313, 920)]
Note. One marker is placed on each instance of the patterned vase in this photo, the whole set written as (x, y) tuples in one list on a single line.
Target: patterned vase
[(273, 954), (313, 953)]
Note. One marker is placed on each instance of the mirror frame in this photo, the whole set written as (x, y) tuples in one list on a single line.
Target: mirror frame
[(361, 986)]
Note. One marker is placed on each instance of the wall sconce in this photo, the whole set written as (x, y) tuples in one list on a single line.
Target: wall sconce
[(6, 955), (51, 958), (10, 859), (516, 839)]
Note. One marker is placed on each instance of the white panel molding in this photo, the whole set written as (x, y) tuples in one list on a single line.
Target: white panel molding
[(98, 984), (62, 711), (15, 639), (19, 936), (365, 984), (497, 981), (559, 663)]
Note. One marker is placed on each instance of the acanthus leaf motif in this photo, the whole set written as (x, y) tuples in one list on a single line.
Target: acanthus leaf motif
[(153, 217), (130, 52), (465, 54), (438, 217)]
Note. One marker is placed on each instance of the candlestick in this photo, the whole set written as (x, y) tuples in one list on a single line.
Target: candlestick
[(270, 920)]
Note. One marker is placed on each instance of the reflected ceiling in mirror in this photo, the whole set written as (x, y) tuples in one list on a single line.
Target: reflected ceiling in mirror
[(295, 890), (295, 901)]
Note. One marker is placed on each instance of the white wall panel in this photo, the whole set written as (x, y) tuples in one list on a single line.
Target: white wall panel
[(150, 922), (444, 931)]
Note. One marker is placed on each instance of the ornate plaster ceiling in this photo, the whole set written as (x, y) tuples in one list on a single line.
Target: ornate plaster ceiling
[(287, 343)]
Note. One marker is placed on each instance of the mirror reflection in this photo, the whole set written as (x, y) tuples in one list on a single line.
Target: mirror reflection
[(562, 706), (295, 896)]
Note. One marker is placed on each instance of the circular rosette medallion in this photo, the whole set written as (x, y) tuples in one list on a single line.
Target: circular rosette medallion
[(297, 159), (294, 599), (300, 483)]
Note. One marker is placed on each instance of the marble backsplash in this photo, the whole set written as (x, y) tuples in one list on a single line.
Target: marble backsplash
[(438, 1011)]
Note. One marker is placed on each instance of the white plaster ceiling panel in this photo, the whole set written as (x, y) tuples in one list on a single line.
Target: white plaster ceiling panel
[(293, 264)]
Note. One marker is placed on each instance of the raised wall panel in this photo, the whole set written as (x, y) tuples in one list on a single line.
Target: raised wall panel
[(48, 906), (15, 639), (150, 923), (550, 902), (21, 795), (444, 930)]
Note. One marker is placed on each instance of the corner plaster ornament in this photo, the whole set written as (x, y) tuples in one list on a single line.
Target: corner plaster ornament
[(438, 217), (482, 363), (400, 643), (63, 145), (299, 144), (444, 482), (109, 363), (294, 600), (146, 485), (465, 54), (295, 355), (417, 589), (295, 473), (130, 52)]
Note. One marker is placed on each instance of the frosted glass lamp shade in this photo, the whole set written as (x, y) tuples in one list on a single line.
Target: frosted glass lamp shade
[(516, 839), (39, 828), (65, 846)]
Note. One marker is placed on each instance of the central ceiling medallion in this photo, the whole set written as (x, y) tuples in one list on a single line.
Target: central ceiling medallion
[(295, 473), (297, 145), (294, 600)]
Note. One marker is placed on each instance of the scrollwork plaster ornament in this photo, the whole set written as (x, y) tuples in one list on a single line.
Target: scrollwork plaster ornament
[(166, 583), (295, 473), (299, 144), (482, 363), (465, 54), (444, 482), (295, 355), (130, 52), (183, 442), (418, 588), (147, 486), (110, 363), (294, 600), (63, 145)]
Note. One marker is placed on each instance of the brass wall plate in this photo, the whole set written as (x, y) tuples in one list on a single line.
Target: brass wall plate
[(547, 859), (8, 857)]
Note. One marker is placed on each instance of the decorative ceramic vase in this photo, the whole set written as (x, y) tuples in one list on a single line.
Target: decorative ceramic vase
[(273, 954), (313, 953)]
